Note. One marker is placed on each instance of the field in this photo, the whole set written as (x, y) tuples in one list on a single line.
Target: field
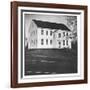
[(50, 61)]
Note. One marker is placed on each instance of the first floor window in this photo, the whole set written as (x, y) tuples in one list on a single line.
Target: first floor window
[(33, 42), (50, 41), (46, 41), (36, 41), (63, 42), (59, 43), (42, 41), (67, 42)]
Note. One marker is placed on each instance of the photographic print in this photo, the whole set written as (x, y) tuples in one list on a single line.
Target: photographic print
[(49, 44)]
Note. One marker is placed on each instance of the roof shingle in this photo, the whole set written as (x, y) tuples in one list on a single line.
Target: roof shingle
[(45, 24)]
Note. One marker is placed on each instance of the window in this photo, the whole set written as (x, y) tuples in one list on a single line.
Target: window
[(50, 41), (36, 41), (67, 42), (59, 43), (63, 33), (59, 35), (46, 32), (42, 32), (50, 33), (32, 33), (67, 34), (63, 42), (31, 41), (42, 41), (46, 41)]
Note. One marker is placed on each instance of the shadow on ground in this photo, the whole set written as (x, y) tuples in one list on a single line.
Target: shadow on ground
[(50, 61)]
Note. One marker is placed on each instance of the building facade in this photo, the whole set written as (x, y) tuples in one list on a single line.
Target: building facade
[(48, 35)]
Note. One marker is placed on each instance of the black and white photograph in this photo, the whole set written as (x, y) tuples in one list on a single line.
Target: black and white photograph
[(50, 44)]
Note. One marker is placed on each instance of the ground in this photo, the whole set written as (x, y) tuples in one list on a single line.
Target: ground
[(50, 61)]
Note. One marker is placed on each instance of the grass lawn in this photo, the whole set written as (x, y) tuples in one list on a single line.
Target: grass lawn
[(50, 61)]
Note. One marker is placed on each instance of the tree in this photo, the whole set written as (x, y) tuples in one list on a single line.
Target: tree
[(72, 24)]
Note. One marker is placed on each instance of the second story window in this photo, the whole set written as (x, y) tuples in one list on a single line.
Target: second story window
[(63, 34), (59, 35), (36, 41), (67, 34), (42, 32), (50, 33), (46, 32), (42, 41)]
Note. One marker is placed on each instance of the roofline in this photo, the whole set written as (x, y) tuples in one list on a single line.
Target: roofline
[(51, 23)]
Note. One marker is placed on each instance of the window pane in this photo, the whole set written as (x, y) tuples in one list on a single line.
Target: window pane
[(67, 42), (42, 41), (51, 33), (67, 33), (50, 41), (59, 43), (46, 32), (36, 41), (46, 41), (42, 32), (63, 42), (59, 35), (63, 33)]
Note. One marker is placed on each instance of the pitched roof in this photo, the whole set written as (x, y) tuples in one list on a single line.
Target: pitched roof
[(45, 24)]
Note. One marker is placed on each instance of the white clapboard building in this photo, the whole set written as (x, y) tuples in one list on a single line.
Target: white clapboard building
[(43, 34)]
